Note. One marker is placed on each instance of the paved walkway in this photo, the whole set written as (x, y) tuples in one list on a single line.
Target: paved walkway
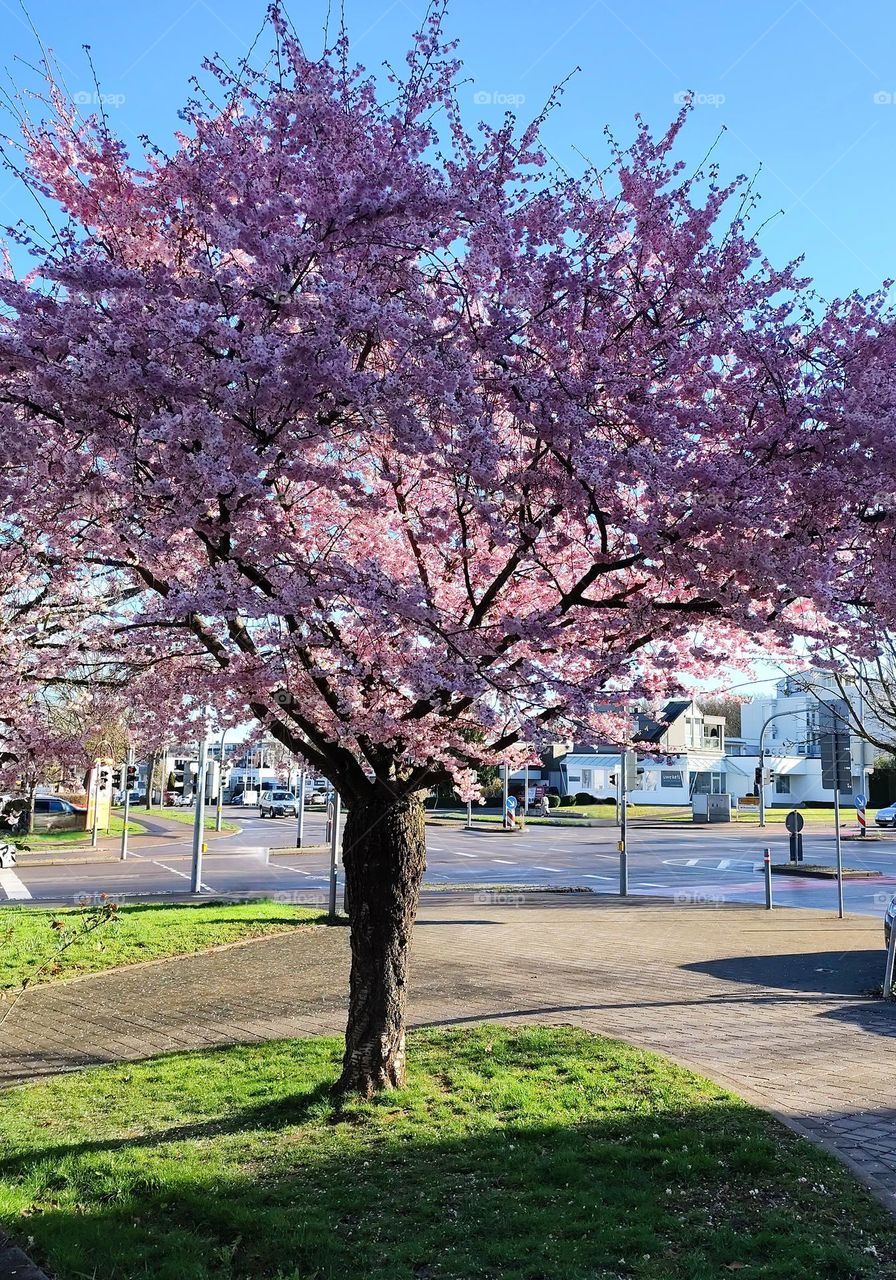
[(770, 1005)]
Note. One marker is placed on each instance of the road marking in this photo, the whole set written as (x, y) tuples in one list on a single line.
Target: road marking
[(648, 884), (692, 862), (724, 864), (458, 854), (550, 868), (174, 871), (13, 886), (587, 875), (508, 862)]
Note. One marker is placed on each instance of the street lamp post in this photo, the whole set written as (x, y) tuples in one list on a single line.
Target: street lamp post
[(219, 800), (777, 716), (199, 820), (300, 829)]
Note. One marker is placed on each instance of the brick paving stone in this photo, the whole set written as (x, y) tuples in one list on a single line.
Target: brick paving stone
[(769, 1004)]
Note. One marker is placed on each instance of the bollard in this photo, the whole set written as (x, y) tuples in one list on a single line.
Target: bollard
[(623, 869), (767, 871)]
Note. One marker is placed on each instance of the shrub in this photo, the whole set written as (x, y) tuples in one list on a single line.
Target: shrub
[(566, 801), (585, 797), (553, 802)]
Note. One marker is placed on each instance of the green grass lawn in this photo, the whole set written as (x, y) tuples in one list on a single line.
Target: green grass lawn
[(186, 816), (53, 839), (141, 932), (665, 813), (534, 1154)]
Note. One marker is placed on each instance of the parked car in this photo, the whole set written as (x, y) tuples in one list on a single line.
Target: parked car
[(889, 920), (51, 813), (886, 817), (278, 804)]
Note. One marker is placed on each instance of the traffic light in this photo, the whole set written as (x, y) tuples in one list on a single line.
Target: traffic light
[(116, 779), (132, 776), (103, 778)]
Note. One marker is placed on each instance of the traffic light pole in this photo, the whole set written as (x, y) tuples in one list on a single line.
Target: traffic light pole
[(127, 809), (623, 828), (94, 837)]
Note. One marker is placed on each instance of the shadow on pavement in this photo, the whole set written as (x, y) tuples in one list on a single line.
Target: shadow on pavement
[(833, 973)]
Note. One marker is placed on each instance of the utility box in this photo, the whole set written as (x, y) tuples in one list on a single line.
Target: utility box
[(706, 808)]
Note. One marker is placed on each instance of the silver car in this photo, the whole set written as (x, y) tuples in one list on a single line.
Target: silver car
[(278, 804)]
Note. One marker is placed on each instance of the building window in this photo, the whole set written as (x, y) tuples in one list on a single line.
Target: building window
[(586, 780), (671, 778), (782, 784)]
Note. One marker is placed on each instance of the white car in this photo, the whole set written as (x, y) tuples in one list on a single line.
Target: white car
[(278, 804), (886, 817)]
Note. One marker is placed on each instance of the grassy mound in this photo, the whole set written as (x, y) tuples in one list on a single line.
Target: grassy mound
[(540, 1154)]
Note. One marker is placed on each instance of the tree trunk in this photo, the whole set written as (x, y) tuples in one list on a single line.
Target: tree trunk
[(384, 854)]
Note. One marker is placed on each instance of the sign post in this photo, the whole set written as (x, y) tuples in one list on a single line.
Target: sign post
[(860, 801), (794, 822), (767, 872), (839, 848), (623, 826)]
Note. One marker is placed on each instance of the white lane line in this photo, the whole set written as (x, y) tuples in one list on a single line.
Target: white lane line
[(692, 862), (724, 864), (458, 854), (550, 868), (508, 862), (587, 875), (13, 886), (648, 884), (174, 871)]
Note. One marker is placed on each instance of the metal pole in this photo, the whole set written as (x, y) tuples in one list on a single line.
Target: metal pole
[(334, 853), (219, 799), (300, 828), (767, 872), (199, 820), (891, 963), (839, 850), (761, 781), (623, 832), (96, 804), (127, 809), (525, 791), (469, 815), (506, 793)]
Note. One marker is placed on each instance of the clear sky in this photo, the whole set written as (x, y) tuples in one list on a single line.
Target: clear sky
[(806, 90)]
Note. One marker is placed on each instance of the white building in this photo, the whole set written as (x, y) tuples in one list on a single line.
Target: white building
[(792, 721)]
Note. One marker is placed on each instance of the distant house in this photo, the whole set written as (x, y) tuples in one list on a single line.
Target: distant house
[(684, 752), (687, 754)]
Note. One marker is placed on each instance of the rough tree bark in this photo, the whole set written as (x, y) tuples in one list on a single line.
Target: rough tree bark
[(384, 853)]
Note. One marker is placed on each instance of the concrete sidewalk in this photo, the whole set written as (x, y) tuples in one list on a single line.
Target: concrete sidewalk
[(771, 1005)]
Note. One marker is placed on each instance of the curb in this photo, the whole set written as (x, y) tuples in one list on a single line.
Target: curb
[(16, 1265)]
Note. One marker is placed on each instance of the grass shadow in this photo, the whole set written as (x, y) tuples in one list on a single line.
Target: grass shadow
[(534, 1154)]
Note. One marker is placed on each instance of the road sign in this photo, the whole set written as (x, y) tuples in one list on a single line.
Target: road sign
[(511, 803), (794, 822), (834, 740), (859, 800)]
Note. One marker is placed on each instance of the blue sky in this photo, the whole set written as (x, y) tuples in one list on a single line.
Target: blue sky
[(807, 90)]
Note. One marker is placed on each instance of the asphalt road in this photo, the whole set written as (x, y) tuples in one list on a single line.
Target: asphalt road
[(686, 863)]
